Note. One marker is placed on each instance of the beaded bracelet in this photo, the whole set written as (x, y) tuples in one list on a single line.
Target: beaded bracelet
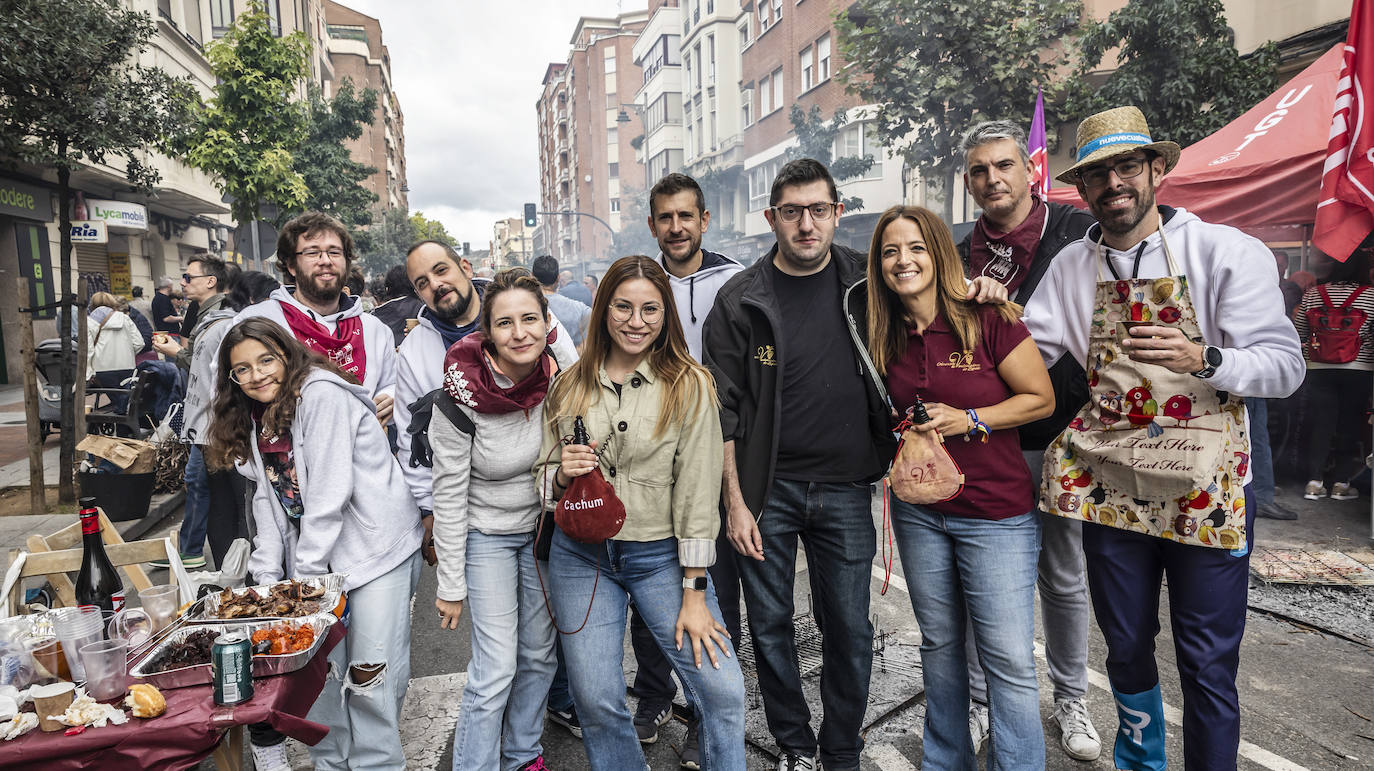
[(979, 428)]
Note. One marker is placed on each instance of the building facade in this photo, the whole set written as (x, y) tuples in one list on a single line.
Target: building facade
[(356, 53), (586, 149), (512, 243)]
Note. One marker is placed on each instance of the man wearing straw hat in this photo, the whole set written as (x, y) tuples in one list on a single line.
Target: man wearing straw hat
[(1176, 322)]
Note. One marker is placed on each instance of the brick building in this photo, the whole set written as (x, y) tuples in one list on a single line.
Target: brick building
[(356, 52), (585, 147)]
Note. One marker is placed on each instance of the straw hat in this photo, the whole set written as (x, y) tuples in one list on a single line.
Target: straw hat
[(1115, 132)]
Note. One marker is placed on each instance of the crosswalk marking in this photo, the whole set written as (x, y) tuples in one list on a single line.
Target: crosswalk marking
[(888, 758), (1172, 715)]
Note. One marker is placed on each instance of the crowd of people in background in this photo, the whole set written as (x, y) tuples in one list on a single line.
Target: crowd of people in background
[(437, 416)]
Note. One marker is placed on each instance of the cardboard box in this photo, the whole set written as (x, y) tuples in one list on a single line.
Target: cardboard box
[(132, 455)]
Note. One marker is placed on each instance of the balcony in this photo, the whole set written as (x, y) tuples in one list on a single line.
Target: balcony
[(562, 115)]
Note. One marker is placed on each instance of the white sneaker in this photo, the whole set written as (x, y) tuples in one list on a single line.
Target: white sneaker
[(1076, 733), (1344, 492), (1314, 491), (270, 758), (790, 762), (978, 726)]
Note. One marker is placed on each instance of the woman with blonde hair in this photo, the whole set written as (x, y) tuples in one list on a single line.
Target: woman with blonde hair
[(652, 416), (980, 376), (112, 344)]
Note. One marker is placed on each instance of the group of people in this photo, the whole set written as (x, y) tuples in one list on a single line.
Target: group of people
[(734, 411)]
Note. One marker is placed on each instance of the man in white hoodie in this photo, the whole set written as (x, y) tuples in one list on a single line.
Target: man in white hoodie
[(1223, 279), (678, 218)]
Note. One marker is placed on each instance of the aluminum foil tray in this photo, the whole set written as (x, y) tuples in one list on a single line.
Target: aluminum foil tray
[(263, 666), (205, 610)]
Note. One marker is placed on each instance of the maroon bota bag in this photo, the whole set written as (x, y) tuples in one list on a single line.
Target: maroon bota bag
[(589, 511)]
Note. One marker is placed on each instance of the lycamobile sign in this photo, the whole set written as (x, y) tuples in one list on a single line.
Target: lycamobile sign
[(119, 216)]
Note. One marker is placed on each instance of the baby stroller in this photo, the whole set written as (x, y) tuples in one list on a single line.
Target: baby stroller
[(48, 362)]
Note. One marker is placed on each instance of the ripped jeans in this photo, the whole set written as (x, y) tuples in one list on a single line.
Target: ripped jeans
[(363, 712)]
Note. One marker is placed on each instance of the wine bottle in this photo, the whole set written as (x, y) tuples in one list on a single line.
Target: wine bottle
[(98, 584), (580, 432)]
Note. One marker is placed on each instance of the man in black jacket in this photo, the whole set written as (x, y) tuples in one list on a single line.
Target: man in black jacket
[(1011, 246), (807, 431)]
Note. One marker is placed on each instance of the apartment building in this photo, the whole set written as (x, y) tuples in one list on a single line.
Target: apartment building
[(658, 54), (713, 104), (356, 52), (589, 125), (511, 243)]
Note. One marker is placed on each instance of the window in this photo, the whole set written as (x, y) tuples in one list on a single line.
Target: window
[(274, 16), (687, 63), (696, 54), (221, 16), (614, 172), (701, 137), (807, 73), (710, 60), (760, 180), (746, 107), (710, 7), (823, 59), (608, 55), (612, 136), (765, 96), (777, 10), (615, 204), (857, 140), (777, 88), (664, 53), (665, 110), (763, 18), (744, 37)]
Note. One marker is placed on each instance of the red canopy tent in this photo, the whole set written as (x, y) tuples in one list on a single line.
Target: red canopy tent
[(1262, 169)]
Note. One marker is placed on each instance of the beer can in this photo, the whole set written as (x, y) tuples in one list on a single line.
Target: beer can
[(231, 663)]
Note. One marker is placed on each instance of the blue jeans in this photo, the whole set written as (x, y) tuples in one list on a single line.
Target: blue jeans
[(985, 569), (1261, 454), (197, 515), (364, 717), (598, 582), (502, 716), (834, 522)]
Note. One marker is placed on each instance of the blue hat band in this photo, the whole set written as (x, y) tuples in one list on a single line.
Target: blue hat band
[(1112, 139)]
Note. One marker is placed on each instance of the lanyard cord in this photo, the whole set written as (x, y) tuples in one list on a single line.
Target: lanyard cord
[(1135, 269)]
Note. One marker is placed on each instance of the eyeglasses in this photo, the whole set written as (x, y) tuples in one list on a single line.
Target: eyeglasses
[(188, 278), (310, 254), (1097, 176), (264, 366), (819, 211), (649, 313)]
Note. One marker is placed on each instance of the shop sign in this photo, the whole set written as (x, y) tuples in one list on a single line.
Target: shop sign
[(25, 201), (120, 216), (35, 264), (121, 280), (90, 232)]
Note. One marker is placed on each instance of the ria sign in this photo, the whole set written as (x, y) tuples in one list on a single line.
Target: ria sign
[(1288, 102)]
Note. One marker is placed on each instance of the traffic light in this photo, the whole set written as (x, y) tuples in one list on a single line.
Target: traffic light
[(531, 219), (467, 248)]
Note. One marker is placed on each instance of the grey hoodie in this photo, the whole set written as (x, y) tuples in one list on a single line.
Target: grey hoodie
[(359, 516), (199, 355)]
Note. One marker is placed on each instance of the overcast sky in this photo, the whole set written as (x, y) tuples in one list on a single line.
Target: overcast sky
[(467, 74)]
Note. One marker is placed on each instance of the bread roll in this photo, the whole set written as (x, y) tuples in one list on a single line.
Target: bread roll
[(145, 701)]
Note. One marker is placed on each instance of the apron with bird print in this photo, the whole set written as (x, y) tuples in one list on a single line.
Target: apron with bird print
[(1153, 451)]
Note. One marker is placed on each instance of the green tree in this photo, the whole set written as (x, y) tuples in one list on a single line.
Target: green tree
[(333, 180), (426, 228), (816, 139), (935, 68), (385, 241), (72, 91), (1177, 61), (248, 131)]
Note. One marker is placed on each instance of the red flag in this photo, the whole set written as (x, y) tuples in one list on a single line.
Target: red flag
[(1345, 209), (1037, 147)]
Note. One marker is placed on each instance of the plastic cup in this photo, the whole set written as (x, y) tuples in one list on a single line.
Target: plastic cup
[(76, 627), (160, 602), (47, 655), (107, 668), (132, 624)]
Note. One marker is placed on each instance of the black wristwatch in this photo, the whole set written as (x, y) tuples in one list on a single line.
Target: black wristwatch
[(1211, 359), (698, 583)]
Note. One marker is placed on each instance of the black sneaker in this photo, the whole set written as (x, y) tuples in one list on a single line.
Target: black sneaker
[(690, 756), (1275, 510), (567, 719), (648, 717)]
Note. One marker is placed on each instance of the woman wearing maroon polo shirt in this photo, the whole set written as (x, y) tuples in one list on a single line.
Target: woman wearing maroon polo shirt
[(980, 376)]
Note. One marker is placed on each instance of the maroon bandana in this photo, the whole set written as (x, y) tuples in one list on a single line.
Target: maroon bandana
[(468, 379), (344, 348), (1006, 257)]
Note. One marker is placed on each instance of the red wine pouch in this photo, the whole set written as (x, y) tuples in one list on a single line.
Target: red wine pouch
[(589, 511)]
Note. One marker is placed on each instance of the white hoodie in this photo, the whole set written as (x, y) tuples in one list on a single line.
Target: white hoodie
[(695, 294), (378, 340)]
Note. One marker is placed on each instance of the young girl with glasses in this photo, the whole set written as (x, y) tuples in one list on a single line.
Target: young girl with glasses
[(652, 416), (330, 499)]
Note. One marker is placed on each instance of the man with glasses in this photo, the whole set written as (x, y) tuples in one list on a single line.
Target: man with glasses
[(807, 431), (1008, 251), (1117, 300), (205, 282)]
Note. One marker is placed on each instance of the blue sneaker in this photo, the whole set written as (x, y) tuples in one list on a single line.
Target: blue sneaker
[(1140, 742)]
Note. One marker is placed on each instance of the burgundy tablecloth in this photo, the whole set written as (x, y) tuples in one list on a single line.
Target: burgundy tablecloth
[(188, 731)]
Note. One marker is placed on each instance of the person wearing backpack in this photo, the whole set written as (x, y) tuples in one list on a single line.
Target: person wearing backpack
[(1331, 322)]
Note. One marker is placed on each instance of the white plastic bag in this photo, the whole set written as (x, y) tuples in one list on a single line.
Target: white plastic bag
[(231, 572)]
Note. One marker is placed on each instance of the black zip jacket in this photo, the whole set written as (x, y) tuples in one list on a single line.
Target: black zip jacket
[(740, 348), (1064, 225)]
